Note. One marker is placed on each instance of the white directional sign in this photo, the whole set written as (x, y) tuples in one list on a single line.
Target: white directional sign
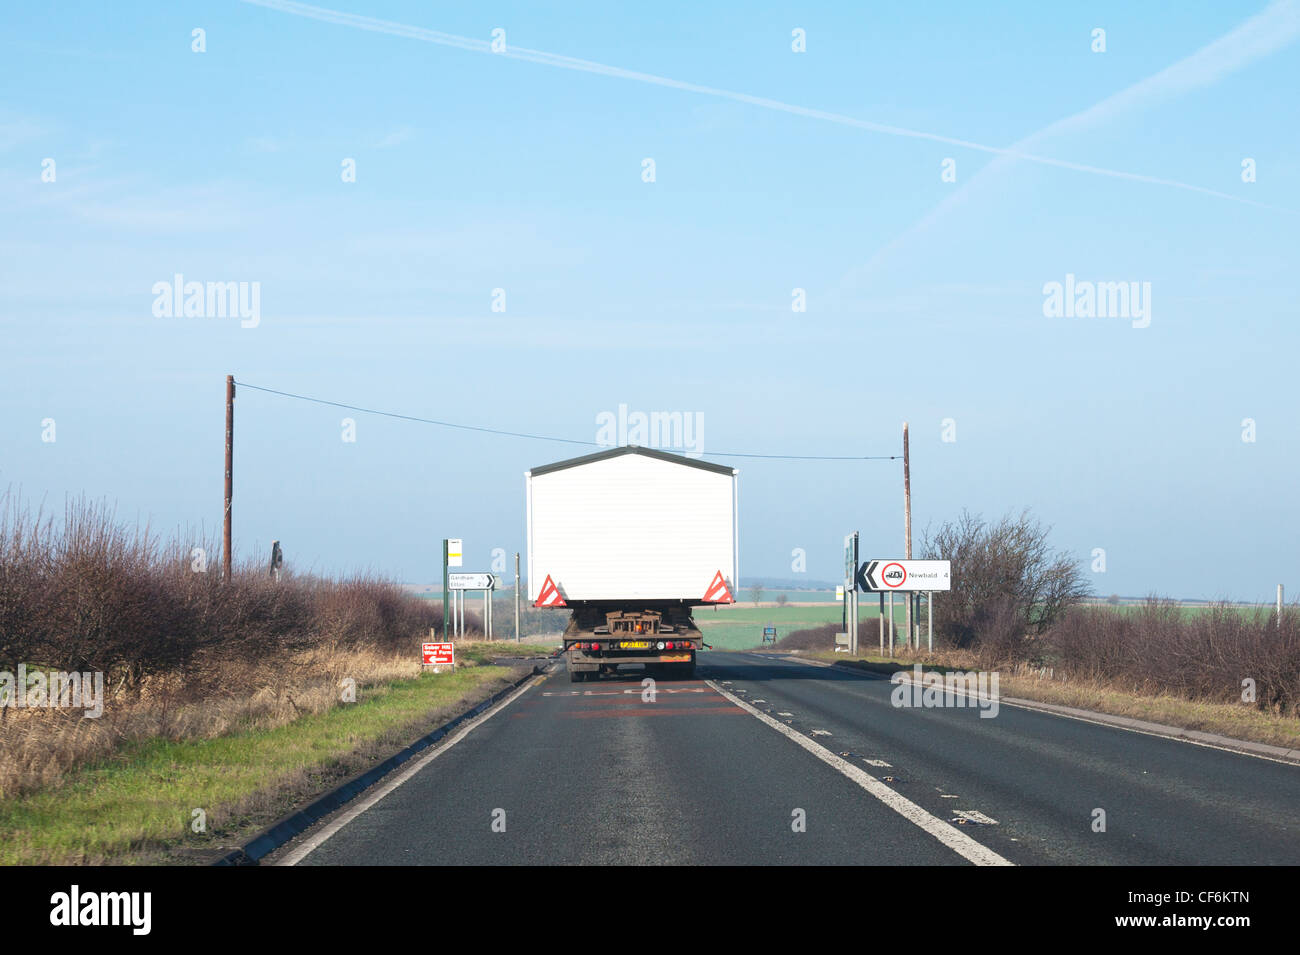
[(470, 581), (883, 575)]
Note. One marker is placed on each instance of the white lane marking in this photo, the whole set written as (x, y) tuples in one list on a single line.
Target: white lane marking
[(949, 835), (374, 795), (785, 714), (821, 732), (973, 816), (879, 762)]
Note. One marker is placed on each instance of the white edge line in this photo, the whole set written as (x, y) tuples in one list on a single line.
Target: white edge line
[(953, 838), (319, 838)]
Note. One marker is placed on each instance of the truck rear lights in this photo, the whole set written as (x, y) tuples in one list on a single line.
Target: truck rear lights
[(595, 646), (668, 645), (659, 645)]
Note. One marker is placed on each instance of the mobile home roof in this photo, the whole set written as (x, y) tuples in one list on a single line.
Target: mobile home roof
[(632, 449)]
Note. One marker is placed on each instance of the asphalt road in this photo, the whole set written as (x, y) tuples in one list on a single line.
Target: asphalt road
[(591, 774)]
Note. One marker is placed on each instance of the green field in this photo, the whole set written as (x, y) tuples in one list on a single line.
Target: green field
[(741, 627)]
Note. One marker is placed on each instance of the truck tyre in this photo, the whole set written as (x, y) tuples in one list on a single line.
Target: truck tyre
[(576, 676)]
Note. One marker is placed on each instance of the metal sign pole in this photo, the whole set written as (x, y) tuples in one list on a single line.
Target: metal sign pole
[(444, 589), (516, 596), (929, 620), (881, 615), (891, 623)]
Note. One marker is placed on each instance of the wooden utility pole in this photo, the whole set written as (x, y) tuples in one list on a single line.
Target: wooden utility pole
[(907, 523), (230, 474)]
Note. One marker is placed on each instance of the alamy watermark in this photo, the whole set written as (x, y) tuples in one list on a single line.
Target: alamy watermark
[(931, 690), (53, 689), (681, 431), (1075, 299), (181, 299)]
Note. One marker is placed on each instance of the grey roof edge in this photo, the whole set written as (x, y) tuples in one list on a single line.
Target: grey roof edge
[(633, 449)]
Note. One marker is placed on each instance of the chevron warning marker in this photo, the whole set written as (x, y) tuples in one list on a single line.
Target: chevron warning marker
[(718, 592), (550, 595)]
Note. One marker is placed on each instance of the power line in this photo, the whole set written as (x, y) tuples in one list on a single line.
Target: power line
[(546, 437)]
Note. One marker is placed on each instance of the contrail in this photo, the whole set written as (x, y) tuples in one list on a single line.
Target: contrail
[(588, 66), (1275, 27)]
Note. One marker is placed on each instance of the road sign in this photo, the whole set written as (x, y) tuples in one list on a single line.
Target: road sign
[(454, 548), (883, 575), (438, 654), (839, 593), (471, 581)]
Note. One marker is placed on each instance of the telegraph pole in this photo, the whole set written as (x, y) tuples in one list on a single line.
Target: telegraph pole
[(907, 522), (230, 474)]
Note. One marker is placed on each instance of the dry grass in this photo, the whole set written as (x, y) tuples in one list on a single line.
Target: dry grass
[(38, 747)]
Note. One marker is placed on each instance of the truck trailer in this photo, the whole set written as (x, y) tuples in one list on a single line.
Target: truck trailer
[(630, 541)]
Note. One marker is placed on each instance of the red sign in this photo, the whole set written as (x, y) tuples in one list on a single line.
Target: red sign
[(438, 654)]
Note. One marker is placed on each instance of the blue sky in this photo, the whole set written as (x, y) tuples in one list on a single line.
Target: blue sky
[(477, 171)]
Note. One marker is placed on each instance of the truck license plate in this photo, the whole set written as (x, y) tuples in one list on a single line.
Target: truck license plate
[(634, 645)]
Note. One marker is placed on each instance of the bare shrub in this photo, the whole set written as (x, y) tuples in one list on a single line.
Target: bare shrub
[(1160, 647), (1005, 577)]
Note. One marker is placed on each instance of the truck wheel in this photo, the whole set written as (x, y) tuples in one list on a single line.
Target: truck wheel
[(576, 676), (687, 671)]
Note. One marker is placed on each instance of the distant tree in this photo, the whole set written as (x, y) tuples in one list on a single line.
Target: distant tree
[(782, 600), (1113, 600), (756, 593)]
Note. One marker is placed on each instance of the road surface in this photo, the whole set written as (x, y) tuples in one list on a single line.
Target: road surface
[(832, 773)]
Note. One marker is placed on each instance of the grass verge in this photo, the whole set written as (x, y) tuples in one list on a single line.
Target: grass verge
[(139, 805)]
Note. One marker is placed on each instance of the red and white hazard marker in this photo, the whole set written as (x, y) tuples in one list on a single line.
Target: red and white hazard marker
[(718, 592), (550, 595)]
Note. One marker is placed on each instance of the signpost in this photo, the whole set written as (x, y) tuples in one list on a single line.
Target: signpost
[(451, 557), (457, 584), (883, 576), (437, 655), (769, 634), (470, 581), (904, 576), (850, 593)]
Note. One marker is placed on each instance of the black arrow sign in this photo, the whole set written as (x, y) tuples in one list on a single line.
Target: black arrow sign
[(866, 578)]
